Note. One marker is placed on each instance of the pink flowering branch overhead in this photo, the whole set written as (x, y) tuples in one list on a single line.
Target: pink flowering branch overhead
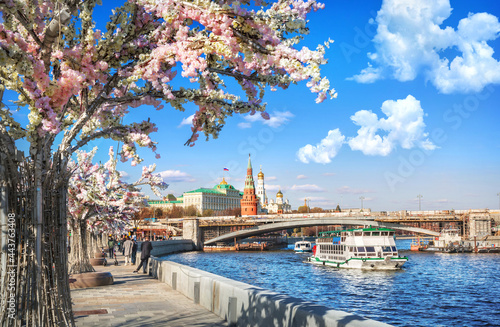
[(80, 81), (98, 197)]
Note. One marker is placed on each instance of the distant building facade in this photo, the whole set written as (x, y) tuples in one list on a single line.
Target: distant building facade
[(261, 190), (221, 197), (279, 206)]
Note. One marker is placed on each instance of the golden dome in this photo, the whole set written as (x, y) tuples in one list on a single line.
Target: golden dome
[(223, 182), (279, 194), (260, 175)]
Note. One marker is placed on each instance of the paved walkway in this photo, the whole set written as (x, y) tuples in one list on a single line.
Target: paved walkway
[(137, 300)]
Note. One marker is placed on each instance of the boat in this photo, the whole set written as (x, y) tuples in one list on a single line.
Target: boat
[(421, 243), (449, 241), (488, 249), (303, 246), (361, 248)]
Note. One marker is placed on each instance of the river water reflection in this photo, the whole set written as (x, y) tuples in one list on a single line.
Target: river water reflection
[(431, 290)]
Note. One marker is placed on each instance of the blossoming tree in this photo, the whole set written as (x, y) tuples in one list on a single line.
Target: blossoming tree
[(99, 202), (78, 82)]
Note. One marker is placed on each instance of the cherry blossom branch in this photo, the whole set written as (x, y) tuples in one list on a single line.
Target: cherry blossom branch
[(104, 132)]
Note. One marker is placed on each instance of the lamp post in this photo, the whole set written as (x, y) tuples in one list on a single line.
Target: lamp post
[(498, 200), (361, 198), (420, 196)]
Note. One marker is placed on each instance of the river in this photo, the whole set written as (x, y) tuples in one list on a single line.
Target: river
[(431, 290)]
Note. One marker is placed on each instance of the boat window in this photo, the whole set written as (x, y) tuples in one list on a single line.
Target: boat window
[(391, 233), (394, 249), (375, 233), (361, 249), (370, 249), (386, 249), (358, 233), (352, 249)]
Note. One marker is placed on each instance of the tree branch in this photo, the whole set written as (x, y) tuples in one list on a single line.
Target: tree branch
[(89, 138)]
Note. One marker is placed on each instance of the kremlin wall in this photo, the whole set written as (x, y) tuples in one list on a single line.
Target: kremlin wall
[(223, 196)]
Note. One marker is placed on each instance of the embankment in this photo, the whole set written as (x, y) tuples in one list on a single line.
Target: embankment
[(242, 304)]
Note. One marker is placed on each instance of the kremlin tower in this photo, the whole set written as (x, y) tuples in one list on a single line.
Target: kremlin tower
[(261, 190), (249, 200)]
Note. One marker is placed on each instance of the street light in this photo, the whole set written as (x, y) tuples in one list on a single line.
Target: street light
[(498, 200), (361, 198), (420, 196)]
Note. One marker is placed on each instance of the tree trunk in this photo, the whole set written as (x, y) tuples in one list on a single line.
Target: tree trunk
[(34, 287), (79, 255)]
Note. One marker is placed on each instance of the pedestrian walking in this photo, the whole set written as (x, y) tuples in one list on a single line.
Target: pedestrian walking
[(127, 251), (124, 239), (146, 248), (111, 245), (134, 251)]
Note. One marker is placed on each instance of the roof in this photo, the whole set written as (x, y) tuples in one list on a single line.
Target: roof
[(371, 229), (170, 197), (164, 202), (205, 190), (224, 186)]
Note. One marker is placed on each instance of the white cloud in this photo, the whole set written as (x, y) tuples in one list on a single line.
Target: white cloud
[(410, 41), (272, 188), (271, 178), (301, 177), (276, 119), (404, 126), (319, 201), (348, 190), (173, 176), (316, 198), (244, 125), (124, 175), (324, 151), (307, 188), (187, 121)]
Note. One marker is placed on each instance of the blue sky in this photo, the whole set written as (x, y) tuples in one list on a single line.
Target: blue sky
[(440, 140), (416, 113)]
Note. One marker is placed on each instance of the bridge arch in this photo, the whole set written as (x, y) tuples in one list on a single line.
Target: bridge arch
[(267, 228)]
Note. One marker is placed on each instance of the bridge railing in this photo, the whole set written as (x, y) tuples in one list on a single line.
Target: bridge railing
[(282, 216)]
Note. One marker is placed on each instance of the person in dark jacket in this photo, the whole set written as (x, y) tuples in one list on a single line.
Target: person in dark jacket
[(146, 248), (134, 251)]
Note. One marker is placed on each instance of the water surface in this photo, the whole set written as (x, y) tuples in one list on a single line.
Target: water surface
[(431, 290)]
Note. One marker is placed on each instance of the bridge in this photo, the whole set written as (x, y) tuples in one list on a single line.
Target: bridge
[(294, 223)]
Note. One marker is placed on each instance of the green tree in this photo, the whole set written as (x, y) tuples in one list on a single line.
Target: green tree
[(190, 211)]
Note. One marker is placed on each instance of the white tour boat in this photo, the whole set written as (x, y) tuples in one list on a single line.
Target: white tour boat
[(303, 246), (363, 248)]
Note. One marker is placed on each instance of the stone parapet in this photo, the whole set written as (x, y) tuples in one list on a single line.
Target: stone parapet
[(241, 304), (161, 248)]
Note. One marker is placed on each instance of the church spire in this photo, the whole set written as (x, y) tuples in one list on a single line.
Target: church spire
[(249, 182)]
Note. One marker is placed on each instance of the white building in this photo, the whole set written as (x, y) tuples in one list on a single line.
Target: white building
[(261, 191), (279, 206), (221, 197)]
